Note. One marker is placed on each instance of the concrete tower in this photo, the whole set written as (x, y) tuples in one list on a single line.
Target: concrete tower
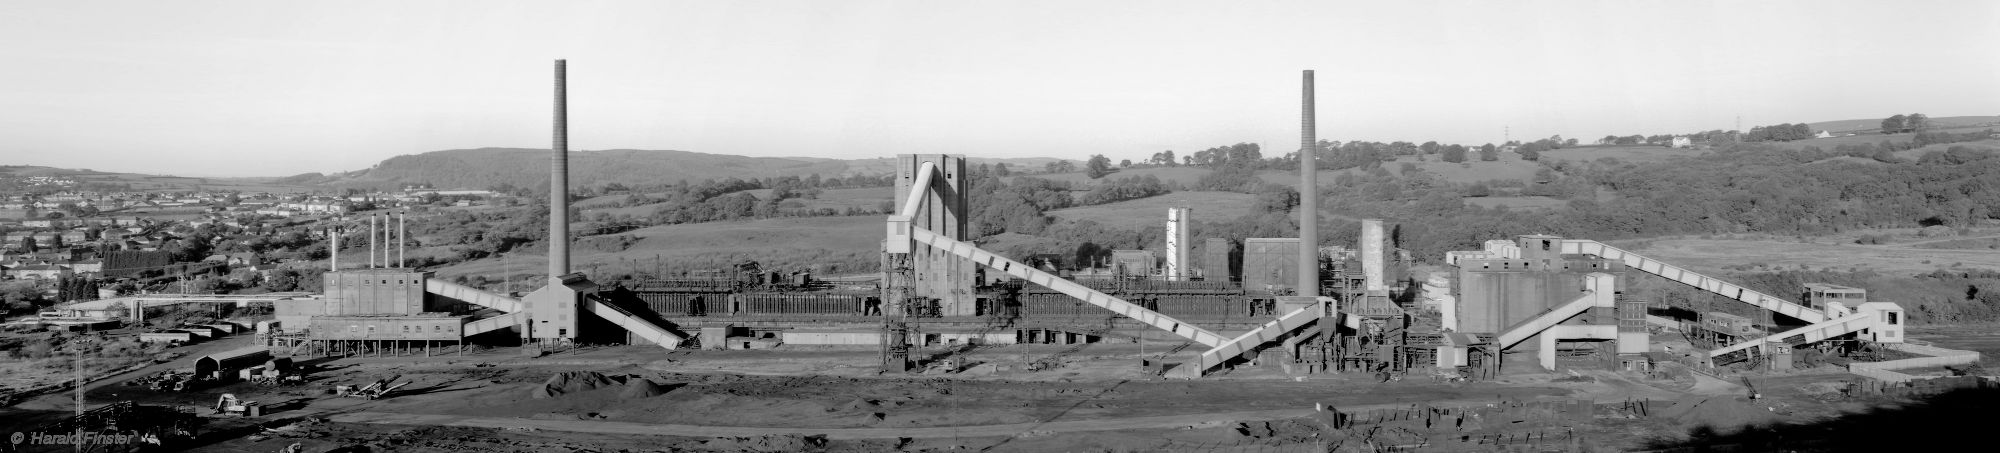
[(1177, 244), (1308, 196)]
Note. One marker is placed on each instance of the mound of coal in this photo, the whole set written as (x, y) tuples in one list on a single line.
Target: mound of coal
[(1723, 413), (641, 388), (571, 382)]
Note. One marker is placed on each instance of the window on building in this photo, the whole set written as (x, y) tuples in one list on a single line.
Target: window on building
[(406, 329), (353, 329), (562, 333), (1545, 244), (1892, 317), (371, 329)]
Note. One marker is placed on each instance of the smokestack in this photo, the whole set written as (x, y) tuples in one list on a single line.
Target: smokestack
[(1177, 244), (559, 183), (371, 241), (402, 235), (333, 251), (1308, 195)]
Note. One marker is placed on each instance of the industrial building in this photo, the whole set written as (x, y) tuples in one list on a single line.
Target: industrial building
[(1314, 308)]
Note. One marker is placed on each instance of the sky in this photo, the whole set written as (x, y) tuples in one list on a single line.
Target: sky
[(274, 88)]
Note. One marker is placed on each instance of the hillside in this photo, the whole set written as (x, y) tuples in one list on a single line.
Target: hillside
[(1875, 125), (485, 167), (131, 181), (1151, 211), (828, 245)]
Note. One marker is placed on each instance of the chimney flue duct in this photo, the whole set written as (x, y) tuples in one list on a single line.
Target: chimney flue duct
[(559, 183), (1308, 196)]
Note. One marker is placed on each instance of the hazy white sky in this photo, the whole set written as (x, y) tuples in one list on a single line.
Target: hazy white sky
[(270, 88)]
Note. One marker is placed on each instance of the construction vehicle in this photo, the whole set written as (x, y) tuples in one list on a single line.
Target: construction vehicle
[(376, 390), (228, 404)]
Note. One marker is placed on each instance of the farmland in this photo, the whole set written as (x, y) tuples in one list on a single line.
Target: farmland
[(1151, 211)]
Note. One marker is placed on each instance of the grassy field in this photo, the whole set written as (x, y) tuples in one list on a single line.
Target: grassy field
[(1628, 154), (1187, 176), (869, 198), (839, 245), (1517, 202), (1836, 253), (1144, 212)]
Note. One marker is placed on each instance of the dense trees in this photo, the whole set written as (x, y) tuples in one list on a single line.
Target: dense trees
[(1905, 123), (1454, 154), (1126, 188), (1164, 158), (1097, 166), (1782, 132), (1244, 155)]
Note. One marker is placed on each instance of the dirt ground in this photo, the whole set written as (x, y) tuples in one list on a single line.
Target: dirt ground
[(1092, 398)]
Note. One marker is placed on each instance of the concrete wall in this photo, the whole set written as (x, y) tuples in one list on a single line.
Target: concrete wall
[(1270, 263), (374, 292), (1215, 260), (940, 274), (1938, 357), (1373, 261), (831, 338)]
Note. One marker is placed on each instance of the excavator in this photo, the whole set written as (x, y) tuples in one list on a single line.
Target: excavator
[(228, 404)]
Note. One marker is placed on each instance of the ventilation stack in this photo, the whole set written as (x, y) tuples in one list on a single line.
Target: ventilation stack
[(333, 249), (559, 183), (1308, 196), (1177, 244), (1372, 262)]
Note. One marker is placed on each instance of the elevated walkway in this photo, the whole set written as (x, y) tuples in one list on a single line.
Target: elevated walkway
[(632, 323), (492, 323), (1598, 292), (1269, 332), (1072, 289), (472, 295), (1690, 278), (510, 306)]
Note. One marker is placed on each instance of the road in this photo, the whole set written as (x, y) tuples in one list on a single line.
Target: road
[(1060, 426)]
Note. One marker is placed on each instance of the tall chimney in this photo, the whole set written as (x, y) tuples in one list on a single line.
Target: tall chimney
[(371, 241), (402, 235), (559, 184), (1177, 244), (1308, 196), (333, 250)]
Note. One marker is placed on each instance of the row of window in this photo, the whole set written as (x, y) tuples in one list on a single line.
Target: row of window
[(406, 329), (364, 282)]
